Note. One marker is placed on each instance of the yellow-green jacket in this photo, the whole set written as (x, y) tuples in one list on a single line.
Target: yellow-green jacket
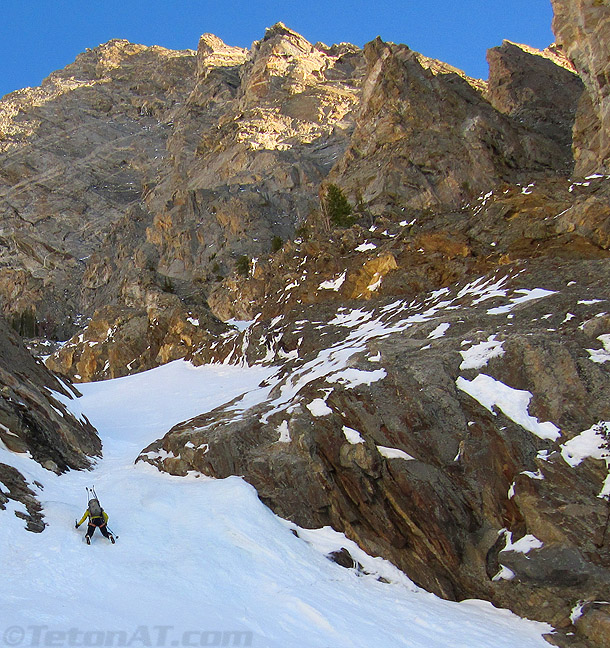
[(88, 515)]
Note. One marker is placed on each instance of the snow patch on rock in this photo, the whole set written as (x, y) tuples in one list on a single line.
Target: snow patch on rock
[(513, 403), (394, 453)]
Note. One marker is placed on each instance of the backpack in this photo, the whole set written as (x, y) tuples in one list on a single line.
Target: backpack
[(95, 509)]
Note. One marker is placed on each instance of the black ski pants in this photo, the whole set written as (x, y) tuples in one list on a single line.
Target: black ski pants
[(92, 527)]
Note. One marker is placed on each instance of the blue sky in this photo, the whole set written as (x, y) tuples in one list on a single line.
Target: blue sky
[(39, 36)]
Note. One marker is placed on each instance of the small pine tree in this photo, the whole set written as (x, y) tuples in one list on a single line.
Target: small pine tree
[(242, 265), (302, 231), (25, 323), (336, 207), (276, 243), (168, 285)]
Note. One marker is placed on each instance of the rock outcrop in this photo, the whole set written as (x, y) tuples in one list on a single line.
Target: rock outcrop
[(426, 137), (122, 340), (34, 420), (540, 90), (582, 27), (403, 255), (383, 422)]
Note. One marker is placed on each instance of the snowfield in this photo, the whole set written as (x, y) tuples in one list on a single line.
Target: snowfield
[(202, 562)]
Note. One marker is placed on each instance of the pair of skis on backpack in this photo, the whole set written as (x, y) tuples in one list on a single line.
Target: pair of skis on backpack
[(98, 518)]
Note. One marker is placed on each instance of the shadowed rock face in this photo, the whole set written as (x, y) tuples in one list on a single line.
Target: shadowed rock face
[(413, 251), (34, 421), (582, 28), (384, 295), (540, 90)]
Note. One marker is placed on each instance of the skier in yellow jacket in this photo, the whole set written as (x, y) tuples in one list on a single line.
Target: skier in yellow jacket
[(98, 519)]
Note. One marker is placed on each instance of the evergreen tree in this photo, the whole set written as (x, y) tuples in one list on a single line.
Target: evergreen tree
[(276, 244), (336, 207), (242, 265)]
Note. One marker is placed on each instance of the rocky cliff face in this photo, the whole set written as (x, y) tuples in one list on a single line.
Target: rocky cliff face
[(402, 255), (536, 88), (426, 137), (390, 421), (160, 169), (441, 392), (582, 28), (77, 154), (35, 421), (371, 330), (158, 165)]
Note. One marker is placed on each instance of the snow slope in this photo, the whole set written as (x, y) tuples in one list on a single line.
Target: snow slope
[(198, 560)]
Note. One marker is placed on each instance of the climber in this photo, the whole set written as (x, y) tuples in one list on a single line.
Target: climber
[(98, 519)]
